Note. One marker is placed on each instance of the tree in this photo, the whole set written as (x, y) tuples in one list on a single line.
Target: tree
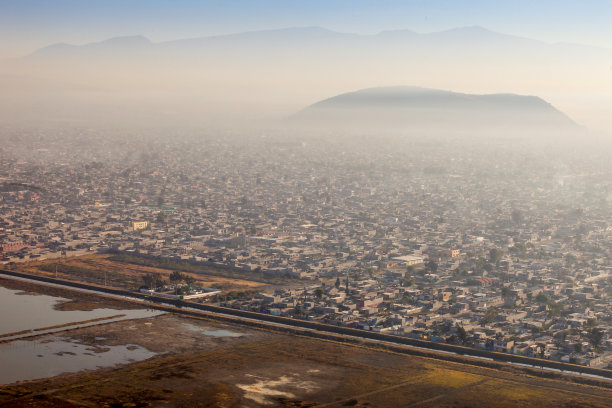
[(337, 284), (578, 347), (595, 337), (176, 277), (161, 217), (318, 293), (153, 280), (495, 255), (461, 334), (517, 216), (591, 323), (408, 281), (149, 280), (554, 308), (519, 249), (489, 316), (570, 259), (431, 266), (189, 280)]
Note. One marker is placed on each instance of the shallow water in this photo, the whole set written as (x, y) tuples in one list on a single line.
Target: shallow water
[(28, 312), (49, 356)]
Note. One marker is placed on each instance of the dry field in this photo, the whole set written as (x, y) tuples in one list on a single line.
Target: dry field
[(264, 369), (100, 269), (192, 368)]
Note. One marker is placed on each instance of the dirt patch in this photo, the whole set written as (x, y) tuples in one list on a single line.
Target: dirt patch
[(165, 334), (27, 293), (264, 391), (75, 304)]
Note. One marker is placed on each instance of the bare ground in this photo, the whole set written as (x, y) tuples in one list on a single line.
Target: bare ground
[(261, 368)]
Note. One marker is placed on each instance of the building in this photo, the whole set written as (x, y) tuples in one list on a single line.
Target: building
[(140, 225), (409, 260)]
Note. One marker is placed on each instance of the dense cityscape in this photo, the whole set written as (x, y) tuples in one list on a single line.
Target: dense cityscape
[(498, 245)]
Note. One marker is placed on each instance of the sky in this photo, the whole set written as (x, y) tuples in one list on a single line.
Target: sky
[(26, 25)]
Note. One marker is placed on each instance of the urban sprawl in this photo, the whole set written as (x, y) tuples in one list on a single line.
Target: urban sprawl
[(496, 246)]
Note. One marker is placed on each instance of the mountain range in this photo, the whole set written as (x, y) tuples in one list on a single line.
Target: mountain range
[(273, 73)]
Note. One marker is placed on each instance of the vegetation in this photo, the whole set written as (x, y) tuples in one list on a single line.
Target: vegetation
[(431, 266), (495, 255), (153, 280), (489, 316), (554, 308), (408, 281), (595, 337), (86, 274), (235, 295), (461, 334), (201, 269)]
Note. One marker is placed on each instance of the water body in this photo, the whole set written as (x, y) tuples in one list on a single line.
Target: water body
[(27, 312), (50, 356)]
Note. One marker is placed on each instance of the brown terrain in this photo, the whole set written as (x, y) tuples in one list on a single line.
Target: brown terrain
[(257, 367), (102, 269)]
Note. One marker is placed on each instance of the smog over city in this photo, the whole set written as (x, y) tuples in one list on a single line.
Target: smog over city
[(305, 203)]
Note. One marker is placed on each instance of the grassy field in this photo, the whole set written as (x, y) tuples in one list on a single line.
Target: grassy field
[(107, 269), (201, 269), (298, 372)]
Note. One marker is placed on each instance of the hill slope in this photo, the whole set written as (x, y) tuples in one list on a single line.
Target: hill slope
[(432, 108), (265, 74)]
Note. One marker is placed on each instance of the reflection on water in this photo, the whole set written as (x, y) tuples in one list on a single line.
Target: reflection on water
[(214, 333), (50, 356), (28, 312)]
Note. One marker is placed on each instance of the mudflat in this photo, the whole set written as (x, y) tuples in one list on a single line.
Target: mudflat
[(205, 363)]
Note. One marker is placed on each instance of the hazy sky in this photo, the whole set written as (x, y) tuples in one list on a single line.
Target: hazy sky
[(26, 25), (581, 89)]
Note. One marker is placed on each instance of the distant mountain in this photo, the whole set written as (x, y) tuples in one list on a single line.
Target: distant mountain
[(272, 73), (423, 108), (292, 37), (114, 44)]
